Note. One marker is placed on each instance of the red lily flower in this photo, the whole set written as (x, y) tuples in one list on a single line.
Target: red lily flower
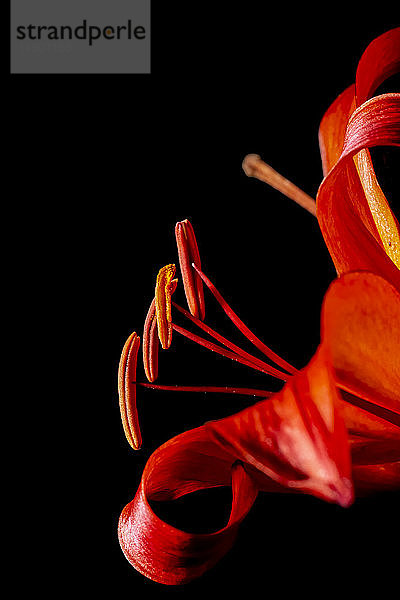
[(305, 438), (333, 431)]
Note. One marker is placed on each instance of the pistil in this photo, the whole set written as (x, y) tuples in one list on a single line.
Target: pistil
[(225, 342), (254, 166)]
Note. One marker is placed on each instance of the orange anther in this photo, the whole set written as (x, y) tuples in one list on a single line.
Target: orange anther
[(150, 344), (164, 288), (127, 391), (254, 166)]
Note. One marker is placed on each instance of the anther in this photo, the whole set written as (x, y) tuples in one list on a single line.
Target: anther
[(189, 253), (164, 288), (254, 166)]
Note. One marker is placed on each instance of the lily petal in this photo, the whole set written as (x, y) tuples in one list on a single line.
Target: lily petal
[(379, 477), (188, 462), (332, 129), (165, 286), (343, 212), (353, 212), (361, 327), (297, 437), (150, 344), (361, 330), (150, 332), (380, 60), (334, 429)]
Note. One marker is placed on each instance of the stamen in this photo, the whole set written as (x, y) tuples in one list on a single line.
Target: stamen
[(223, 340), (189, 253), (232, 355), (164, 288), (243, 328), (150, 344), (209, 388), (254, 166), (127, 391)]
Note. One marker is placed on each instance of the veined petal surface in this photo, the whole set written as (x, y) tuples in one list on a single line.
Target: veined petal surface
[(358, 226), (188, 462)]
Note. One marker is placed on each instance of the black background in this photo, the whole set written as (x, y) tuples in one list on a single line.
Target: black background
[(106, 165)]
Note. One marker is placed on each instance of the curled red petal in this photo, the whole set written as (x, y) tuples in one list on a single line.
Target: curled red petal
[(375, 449), (380, 60), (297, 437), (187, 463), (189, 253), (361, 332), (378, 477)]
